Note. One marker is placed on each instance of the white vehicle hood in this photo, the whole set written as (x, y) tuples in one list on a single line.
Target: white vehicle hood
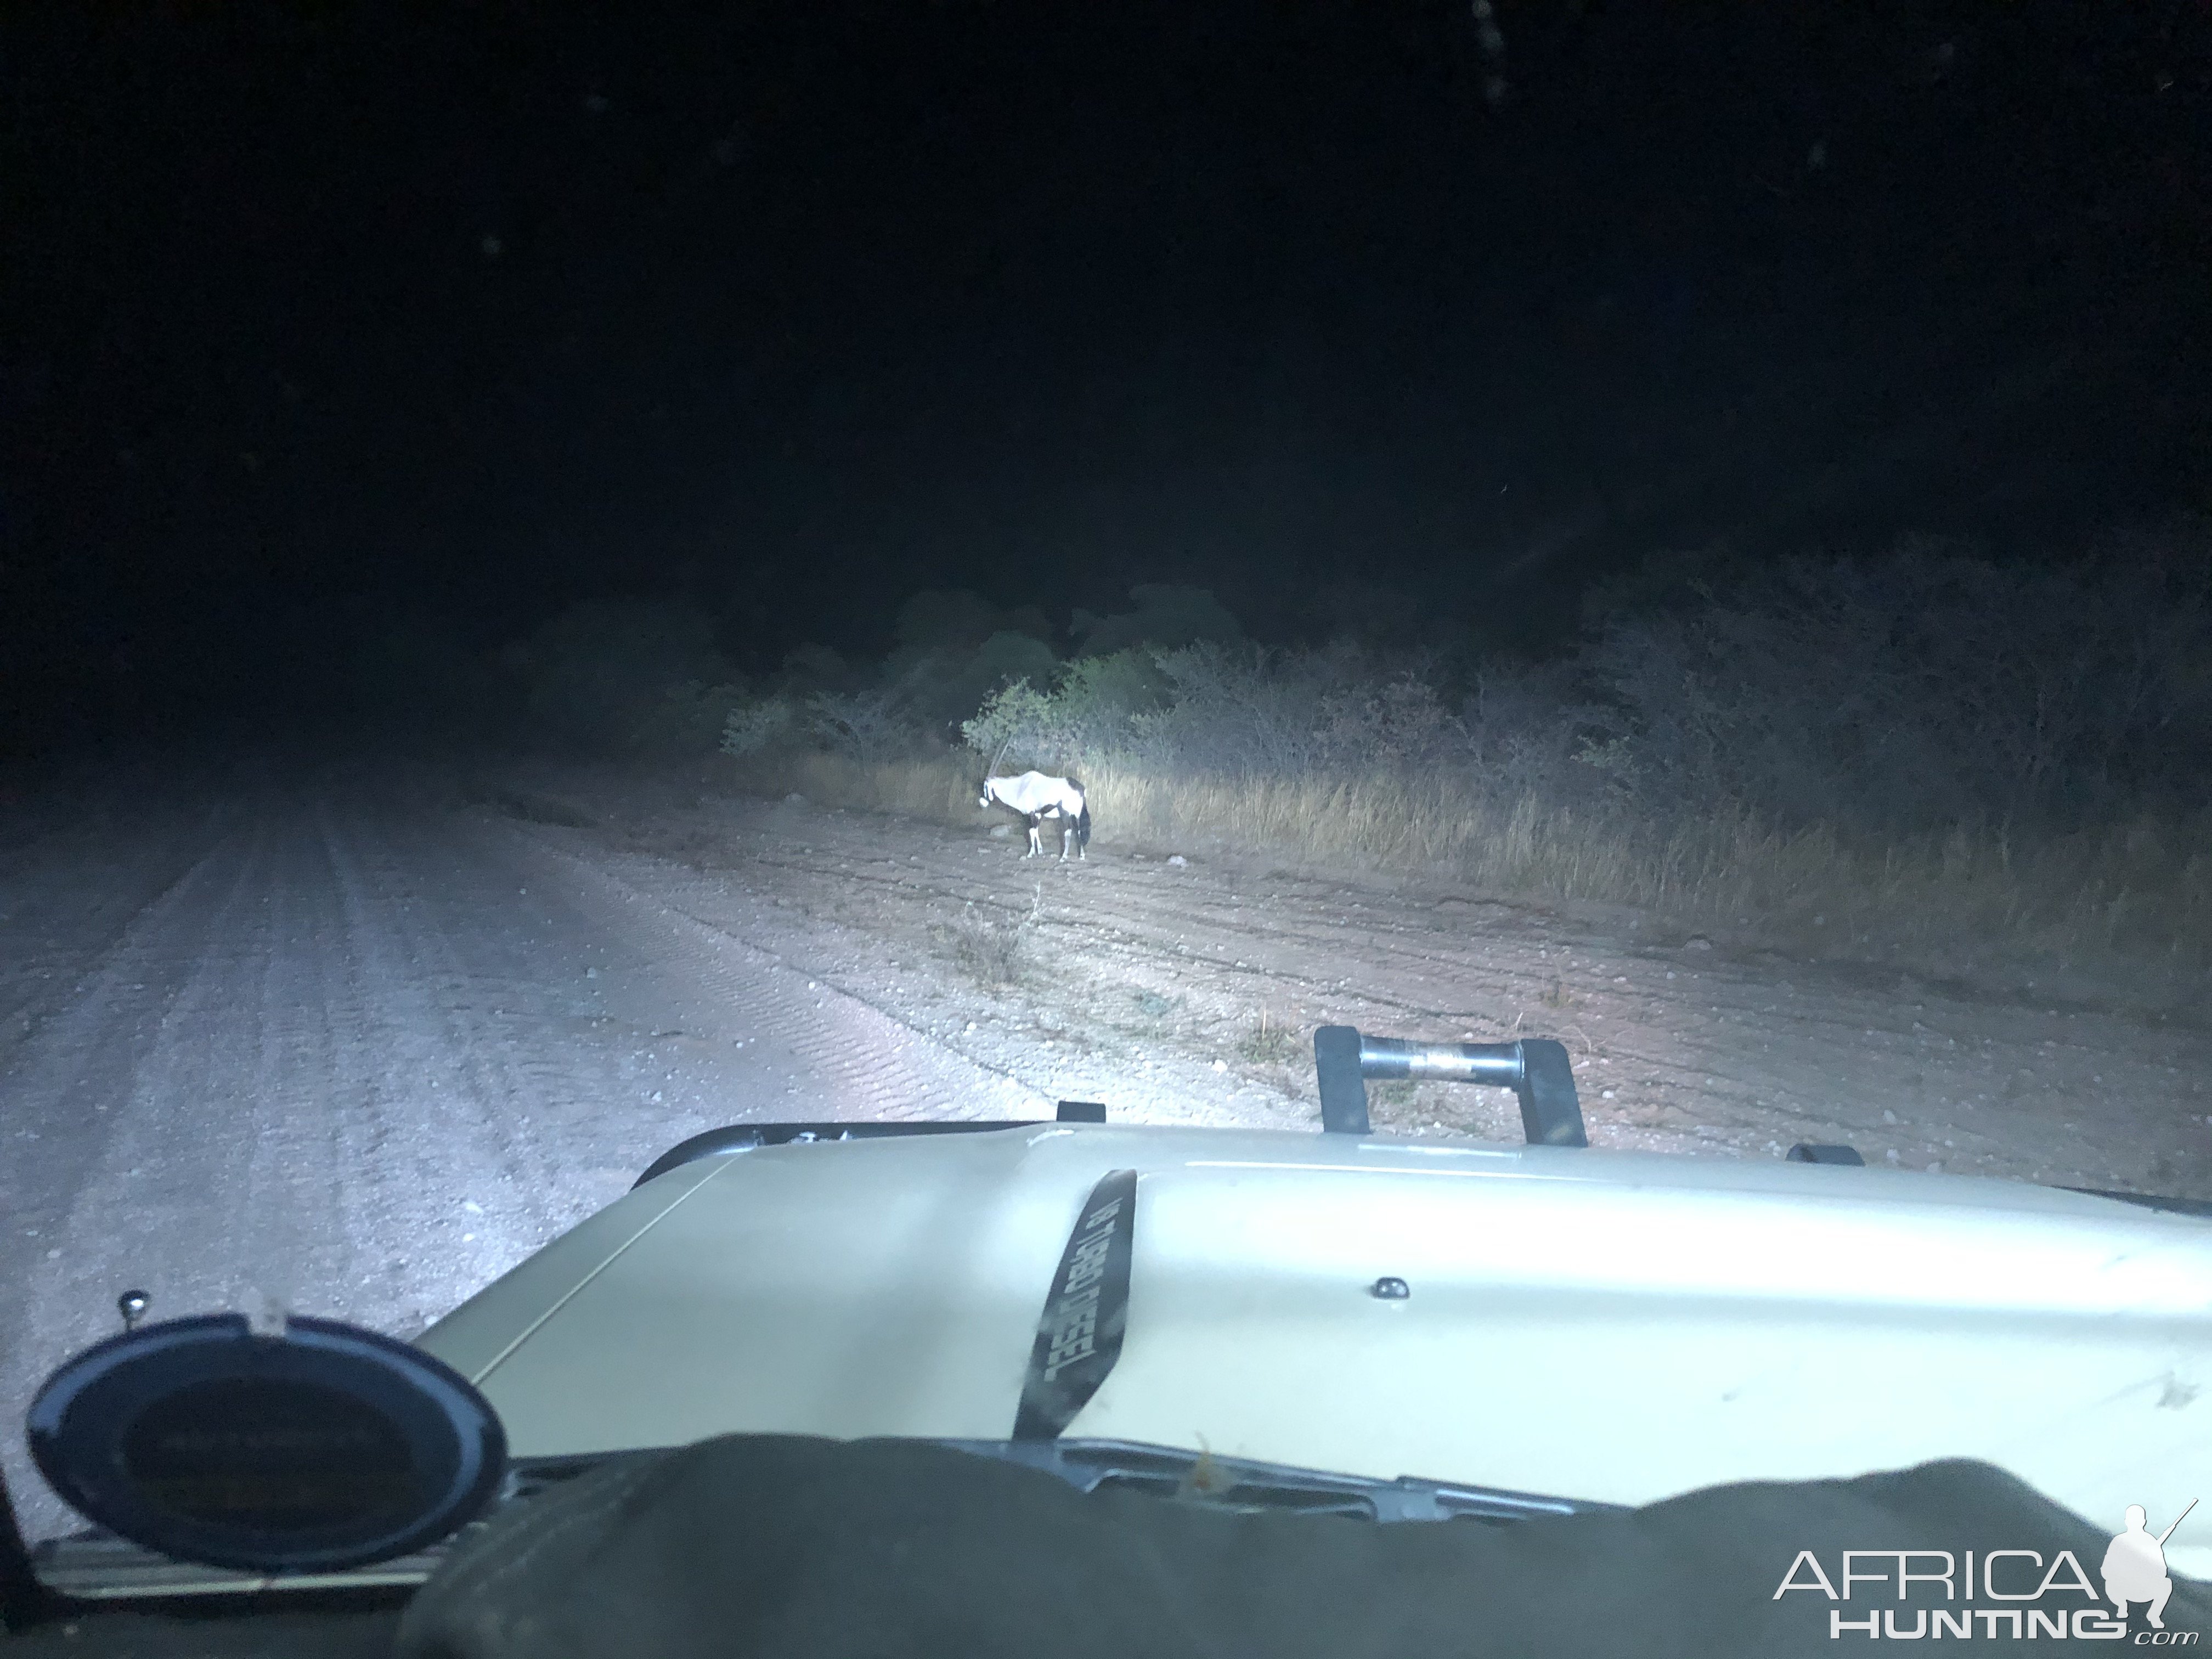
[(1594, 1325)]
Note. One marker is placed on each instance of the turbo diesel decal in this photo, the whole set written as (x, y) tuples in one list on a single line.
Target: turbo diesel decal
[(1079, 1337)]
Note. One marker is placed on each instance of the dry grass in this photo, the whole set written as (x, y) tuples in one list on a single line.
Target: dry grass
[(991, 947), (935, 786), (1278, 1054), (2139, 892), (1269, 1042)]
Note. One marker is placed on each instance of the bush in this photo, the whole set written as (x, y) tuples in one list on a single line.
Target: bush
[(1336, 713), (1167, 618), (867, 726), (1225, 710), (1929, 748), (1921, 689), (955, 649), (688, 718), (754, 728)]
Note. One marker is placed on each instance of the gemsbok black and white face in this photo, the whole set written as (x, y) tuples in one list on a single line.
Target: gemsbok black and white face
[(1037, 798)]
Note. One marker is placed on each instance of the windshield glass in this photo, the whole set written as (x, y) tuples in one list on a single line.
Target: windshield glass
[(1450, 743)]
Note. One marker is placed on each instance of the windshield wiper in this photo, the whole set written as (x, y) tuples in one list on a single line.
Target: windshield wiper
[(1234, 1483), (96, 1566)]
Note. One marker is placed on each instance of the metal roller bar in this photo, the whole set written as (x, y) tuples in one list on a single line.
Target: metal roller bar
[(1537, 1069), (1496, 1063)]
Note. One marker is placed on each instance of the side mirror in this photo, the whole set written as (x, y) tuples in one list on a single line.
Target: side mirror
[(315, 1447)]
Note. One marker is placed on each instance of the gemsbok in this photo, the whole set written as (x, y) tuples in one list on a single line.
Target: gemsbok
[(1037, 798)]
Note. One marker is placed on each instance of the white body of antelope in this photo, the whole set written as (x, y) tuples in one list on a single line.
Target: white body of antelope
[(1037, 798)]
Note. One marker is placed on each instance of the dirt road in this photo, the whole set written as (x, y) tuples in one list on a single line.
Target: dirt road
[(360, 1038), (357, 1046)]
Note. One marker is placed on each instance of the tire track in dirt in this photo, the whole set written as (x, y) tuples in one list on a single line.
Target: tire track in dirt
[(368, 1053), (863, 1063)]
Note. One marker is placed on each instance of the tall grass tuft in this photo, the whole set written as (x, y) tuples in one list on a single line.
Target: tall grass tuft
[(991, 947)]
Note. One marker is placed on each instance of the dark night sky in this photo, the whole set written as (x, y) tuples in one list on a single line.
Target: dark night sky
[(316, 312)]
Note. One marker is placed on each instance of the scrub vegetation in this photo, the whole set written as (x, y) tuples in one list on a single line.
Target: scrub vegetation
[(1928, 752)]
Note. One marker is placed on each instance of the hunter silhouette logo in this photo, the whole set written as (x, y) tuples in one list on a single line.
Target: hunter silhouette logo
[(2134, 1565)]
